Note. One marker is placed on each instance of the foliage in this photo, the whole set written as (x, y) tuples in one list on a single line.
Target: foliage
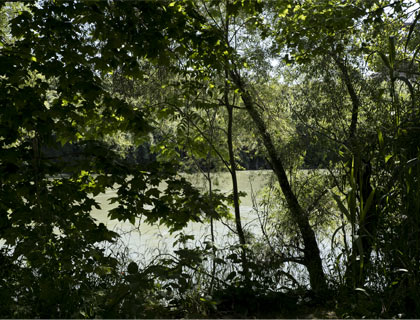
[(197, 87), (52, 92)]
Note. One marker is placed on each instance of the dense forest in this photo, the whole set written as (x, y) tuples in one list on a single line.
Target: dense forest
[(136, 96)]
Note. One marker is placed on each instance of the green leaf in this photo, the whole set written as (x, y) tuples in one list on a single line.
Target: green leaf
[(410, 32), (392, 51), (367, 206), (380, 139), (341, 206)]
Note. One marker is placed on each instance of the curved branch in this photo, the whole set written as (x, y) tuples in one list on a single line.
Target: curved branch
[(353, 96)]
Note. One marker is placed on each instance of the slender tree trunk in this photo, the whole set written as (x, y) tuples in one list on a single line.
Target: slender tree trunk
[(213, 267), (238, 222), (312, 258), (353, 96), (232, 163)]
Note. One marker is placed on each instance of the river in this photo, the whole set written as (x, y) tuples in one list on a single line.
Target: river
[(145, 241)]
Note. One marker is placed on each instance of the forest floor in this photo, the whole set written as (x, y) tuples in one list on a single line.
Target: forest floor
[(302, 313), (239, 305)]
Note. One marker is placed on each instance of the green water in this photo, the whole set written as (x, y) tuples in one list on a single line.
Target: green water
[(250, 182), (144, 239)]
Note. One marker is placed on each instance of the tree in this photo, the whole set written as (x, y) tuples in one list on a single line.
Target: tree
[(53, 92), (232, 64), (184, 77)]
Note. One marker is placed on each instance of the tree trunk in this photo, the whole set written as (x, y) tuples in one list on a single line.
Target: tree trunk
[(232, 163), (353, 96), (238, 222), (312, 258)]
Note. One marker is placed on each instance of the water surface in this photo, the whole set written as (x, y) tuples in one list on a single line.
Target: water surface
[(147, 240)]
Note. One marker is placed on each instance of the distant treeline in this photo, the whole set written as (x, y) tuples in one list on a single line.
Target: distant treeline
[(316, 155)]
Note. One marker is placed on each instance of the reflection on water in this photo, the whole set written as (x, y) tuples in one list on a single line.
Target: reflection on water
[(146, 240)]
